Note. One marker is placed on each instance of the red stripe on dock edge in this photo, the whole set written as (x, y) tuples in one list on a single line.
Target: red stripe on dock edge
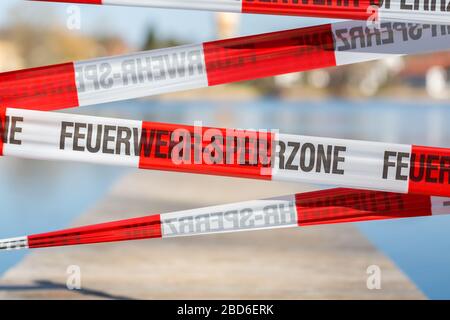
[(350, 205), (157, 146), (269, 54), (131, 229), (45, 88), (291, 8), (430, 171)]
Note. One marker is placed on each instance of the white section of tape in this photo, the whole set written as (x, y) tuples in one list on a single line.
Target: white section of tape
[(211, 5), (61, 136), (244, 216), (355, 41), (351, 163), (14, 243), (414, 11), (440, 205), (141, 74)]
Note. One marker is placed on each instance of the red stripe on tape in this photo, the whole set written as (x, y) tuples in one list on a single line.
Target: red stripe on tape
[(73, 1), (131, 229), (430, 171), (349, 205), (44, 88), (356, 10), (269, 54), (3, 128), (227, 152)]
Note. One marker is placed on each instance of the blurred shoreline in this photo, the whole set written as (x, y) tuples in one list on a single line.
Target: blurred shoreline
[(242, 92)]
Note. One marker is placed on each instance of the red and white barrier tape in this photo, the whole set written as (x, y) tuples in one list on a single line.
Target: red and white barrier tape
[(212, 63), (418, 11), (312, 208), (229, 152)]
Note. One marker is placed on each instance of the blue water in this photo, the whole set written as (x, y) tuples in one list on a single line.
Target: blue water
[(40, 196)]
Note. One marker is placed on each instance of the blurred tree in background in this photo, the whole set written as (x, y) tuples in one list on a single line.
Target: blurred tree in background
[(152, 41)]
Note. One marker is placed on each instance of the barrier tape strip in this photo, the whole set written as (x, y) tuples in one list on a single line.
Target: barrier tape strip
[(419, 11), (303, 209), (228, 152), (213, 63)]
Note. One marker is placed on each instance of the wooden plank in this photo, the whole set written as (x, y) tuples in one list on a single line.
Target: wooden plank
[(324, 262)]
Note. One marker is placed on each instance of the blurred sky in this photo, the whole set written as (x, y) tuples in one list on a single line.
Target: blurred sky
[(132, 22)]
